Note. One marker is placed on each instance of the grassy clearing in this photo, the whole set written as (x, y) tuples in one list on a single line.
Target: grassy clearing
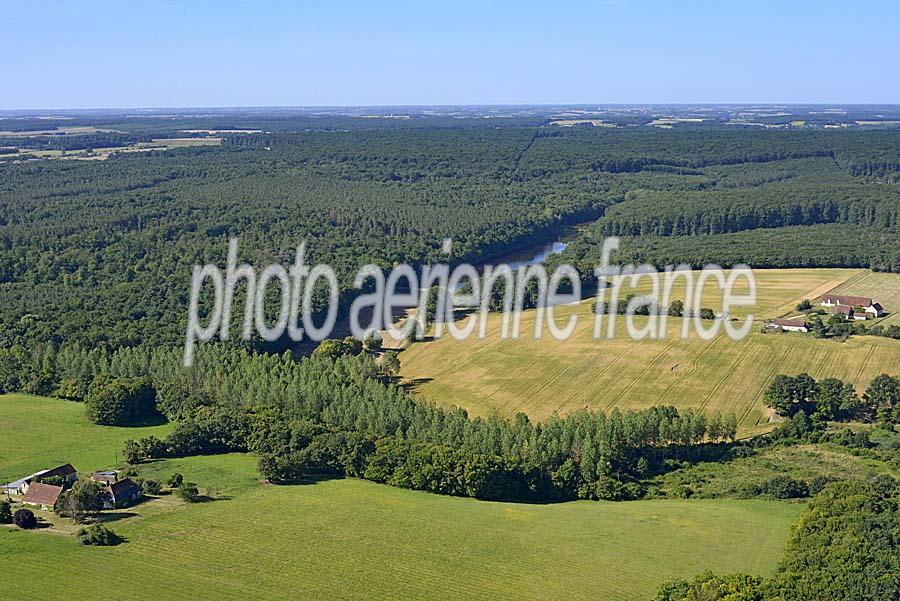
[(40, 433), (350, 539), (801, 462), (539, 377)]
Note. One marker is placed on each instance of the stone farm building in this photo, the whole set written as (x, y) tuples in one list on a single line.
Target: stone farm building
[(791, 325), (852, 307), (41, 495), (20, 487), (121, 494)]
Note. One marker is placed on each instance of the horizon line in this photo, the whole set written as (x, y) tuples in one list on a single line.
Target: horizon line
[(452, 105)]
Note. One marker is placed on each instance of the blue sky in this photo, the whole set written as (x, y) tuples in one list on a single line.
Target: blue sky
[(165, 54)]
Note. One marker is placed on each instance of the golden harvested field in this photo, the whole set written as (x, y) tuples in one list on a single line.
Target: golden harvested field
[(539, 377), (884, 288)]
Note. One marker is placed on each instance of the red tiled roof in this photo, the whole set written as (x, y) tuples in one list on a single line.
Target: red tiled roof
[(853, 301), (42, 494), (843, 310)]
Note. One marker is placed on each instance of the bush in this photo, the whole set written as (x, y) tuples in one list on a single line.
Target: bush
[(780, 487), (5, 512), (24, 518), (817, 484), (189, 492), (98, 536), (175, 480), (712, 587), (150, 487)]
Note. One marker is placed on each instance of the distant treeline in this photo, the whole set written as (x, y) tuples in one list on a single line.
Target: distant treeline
[(831, 245), (75, 141)]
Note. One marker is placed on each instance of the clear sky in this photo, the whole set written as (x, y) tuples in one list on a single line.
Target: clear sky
[(219, 53)]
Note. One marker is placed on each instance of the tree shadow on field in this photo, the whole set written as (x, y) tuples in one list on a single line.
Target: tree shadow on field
[(307, 480), (211, 498), (412, 385), (114, 516)]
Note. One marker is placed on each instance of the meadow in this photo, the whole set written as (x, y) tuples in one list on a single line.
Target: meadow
[(351, 539), (539, 377), (42, 433)]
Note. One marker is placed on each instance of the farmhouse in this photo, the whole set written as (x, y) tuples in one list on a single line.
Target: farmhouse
[(19, 487), (42, 495), (791, 325), (869, 307), (121, 494)]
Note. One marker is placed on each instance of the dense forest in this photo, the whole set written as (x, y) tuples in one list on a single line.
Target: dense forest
[(100, 252)]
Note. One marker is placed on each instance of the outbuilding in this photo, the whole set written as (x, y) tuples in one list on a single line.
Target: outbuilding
[(121, 494), (42, 495), (792, 325)]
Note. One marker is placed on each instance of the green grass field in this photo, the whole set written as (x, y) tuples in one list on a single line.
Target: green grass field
[(539, 377), (42, 433), (350, 539)]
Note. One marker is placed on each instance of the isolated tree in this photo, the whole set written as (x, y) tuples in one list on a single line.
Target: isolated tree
[(5, 512), (24, 518), (804, 305), (83, 499), (790, 394), (189, 492), (132, 452), (98, 535), (390, 364), (372, 342), (676, 308)]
